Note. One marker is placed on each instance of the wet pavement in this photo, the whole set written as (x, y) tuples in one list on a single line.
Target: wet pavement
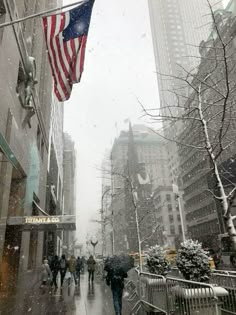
[(86, 299)]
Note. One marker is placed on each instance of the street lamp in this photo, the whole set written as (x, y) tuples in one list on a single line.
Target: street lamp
[(105, 219)]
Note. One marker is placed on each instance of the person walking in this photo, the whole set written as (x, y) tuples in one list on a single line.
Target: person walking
[(72, 268), (91, 268), (63, 268), (55, 268), (45, 273), (115, 279), (78, 268)]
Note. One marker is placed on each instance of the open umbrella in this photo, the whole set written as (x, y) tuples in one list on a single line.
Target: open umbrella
[(120, 262)]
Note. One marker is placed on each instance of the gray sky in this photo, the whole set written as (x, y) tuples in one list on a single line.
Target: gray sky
[(119, 66)]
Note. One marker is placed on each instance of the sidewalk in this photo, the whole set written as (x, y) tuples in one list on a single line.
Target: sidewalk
[(86, 299)]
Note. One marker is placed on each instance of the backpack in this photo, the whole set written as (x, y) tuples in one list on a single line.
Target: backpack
[(63, 264)]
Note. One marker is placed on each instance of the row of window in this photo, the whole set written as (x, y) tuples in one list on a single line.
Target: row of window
[(207, 228), (200, 183), (196, 170), (200, 213)]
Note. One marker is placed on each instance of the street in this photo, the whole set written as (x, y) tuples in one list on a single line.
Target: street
[(70, 300)]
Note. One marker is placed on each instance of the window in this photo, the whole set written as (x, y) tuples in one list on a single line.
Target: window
[(168, 198), (172, 230), (171, 218), (169, 208)]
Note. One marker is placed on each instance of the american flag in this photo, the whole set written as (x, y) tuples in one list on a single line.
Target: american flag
[(66, 36)]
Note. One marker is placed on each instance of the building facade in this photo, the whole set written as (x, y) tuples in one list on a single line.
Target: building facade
[(31, 151), (204, 214), (69, 184), (146, 156), (178, 27)]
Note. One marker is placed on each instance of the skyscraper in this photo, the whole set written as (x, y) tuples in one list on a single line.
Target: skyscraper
[(140, 155), (178, 27)]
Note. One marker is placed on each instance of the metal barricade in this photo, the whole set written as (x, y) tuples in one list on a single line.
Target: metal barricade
[(189, 297), (226, 280), (152, 293), (156, 294)]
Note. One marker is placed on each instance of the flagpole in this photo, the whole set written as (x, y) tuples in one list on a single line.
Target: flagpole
[(39, 14)]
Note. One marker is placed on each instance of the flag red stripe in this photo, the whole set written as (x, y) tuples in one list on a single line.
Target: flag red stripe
[(51, 50), (45, 25), (77, 51), (73, 60), (65, 83), (83, 46), (54, 36)]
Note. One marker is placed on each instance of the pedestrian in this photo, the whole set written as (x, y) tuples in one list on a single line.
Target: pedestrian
[(45, 273), (115, 279), (55, 268), (91, 268), (63, 268), (72, 268), (78, 268)]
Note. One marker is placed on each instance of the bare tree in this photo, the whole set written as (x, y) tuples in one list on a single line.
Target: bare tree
[(202, 118), (130, 190)]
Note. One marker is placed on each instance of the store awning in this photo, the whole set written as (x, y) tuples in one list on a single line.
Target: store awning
[(44, 223)]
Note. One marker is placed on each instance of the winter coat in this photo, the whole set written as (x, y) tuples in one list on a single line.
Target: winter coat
[(91, 264), (78, 264), (45, 272), (63, 264), (55, 265), (116, 279), (72, 264)]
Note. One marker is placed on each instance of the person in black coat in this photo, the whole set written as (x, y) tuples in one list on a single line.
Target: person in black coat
[(115, 278), (63, 268), (55, 268)]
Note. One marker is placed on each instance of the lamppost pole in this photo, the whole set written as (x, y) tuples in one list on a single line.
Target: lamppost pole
[(176, 191), (103, 223)]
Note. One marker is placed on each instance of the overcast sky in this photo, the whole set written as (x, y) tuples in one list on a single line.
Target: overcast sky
[(119, 66)]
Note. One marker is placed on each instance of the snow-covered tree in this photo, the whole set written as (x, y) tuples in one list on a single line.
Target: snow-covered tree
[(193, 261), (157, 262)]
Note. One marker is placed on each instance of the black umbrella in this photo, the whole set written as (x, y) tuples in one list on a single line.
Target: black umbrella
[(120, 262)]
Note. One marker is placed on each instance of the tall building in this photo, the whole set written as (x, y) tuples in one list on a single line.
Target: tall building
[(69, 184), (142, 156), (30, 156), (54, 196), (204, 215), (178, 27)]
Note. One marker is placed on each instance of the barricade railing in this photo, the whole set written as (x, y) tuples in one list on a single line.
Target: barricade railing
[(228, 282), (186, 297), (152, 291), (227, 272), (173, 296)]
